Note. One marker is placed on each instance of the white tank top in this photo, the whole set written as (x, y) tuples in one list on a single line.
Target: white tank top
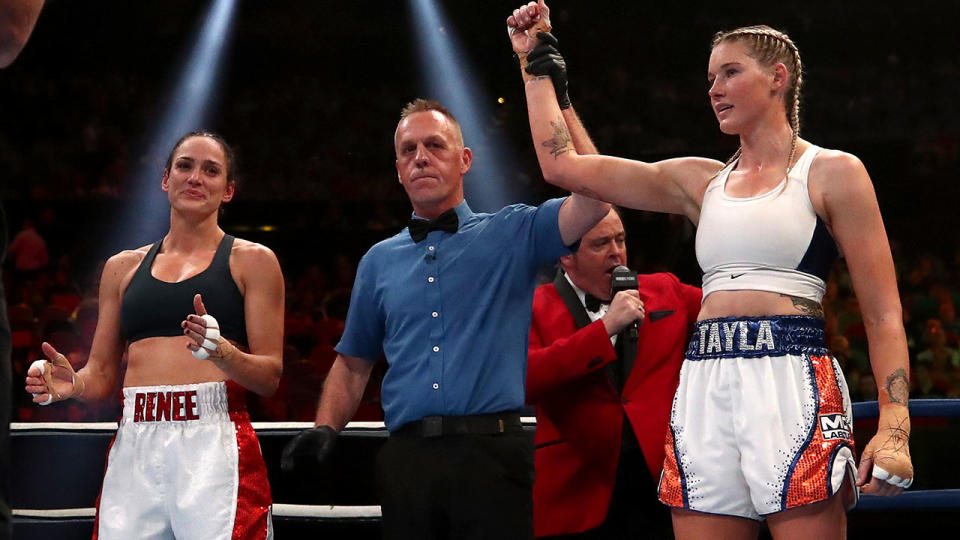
[(770, 242)]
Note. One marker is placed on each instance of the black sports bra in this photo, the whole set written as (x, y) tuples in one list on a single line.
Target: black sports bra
[(152, 307)]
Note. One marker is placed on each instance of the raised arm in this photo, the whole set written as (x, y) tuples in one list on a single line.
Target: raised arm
[(581, 211), (673, 186), (847, 197)]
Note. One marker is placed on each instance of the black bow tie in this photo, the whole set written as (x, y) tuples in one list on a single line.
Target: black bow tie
[(446, 221), (593, 303)]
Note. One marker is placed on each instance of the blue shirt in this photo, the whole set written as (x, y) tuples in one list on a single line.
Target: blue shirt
[(452, 313)]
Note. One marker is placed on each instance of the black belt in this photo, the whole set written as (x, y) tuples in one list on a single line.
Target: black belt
[(481, 424)]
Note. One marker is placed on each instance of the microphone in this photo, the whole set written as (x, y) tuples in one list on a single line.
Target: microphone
[(625, 279)]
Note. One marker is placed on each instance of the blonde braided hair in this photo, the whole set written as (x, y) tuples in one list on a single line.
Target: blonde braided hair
[(768, 46)]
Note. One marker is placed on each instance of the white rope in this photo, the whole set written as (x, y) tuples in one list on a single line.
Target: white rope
[(277, 426), (326, 512), (63, 426), (279, 510), (258, 426), (62, 513)]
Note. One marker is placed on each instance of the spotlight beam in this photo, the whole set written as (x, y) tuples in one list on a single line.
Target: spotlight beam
[(190, 107), (492, 181)]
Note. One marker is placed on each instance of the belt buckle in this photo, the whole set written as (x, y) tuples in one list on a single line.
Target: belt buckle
[(432, 426)]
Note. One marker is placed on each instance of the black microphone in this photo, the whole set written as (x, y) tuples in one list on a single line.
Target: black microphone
[(625, 279)]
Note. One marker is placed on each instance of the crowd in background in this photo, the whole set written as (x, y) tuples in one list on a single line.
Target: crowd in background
[(49, 300), (317, 166)]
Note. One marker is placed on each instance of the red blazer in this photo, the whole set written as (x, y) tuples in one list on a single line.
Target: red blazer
[(579, 411)]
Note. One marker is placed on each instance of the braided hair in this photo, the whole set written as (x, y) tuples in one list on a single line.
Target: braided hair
[(768, 47)]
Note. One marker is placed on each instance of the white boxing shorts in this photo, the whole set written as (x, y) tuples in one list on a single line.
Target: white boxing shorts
[(761, 421), (186, 464)]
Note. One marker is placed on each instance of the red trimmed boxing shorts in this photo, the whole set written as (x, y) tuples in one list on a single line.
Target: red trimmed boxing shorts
[(186, 464)]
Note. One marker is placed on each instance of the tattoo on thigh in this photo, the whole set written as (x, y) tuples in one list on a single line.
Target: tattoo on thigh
[(898, 387), (560, 142), (805, 306)]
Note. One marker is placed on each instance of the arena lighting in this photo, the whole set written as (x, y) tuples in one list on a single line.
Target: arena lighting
[(493, 178), (189, 108)]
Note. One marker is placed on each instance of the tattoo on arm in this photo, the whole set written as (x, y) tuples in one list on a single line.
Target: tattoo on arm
[(898, 387), (561, 140), (805, 306)]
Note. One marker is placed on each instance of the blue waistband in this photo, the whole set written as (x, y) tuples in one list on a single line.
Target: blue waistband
[(751, 337)]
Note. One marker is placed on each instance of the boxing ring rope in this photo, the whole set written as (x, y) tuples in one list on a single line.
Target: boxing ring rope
[(930, 499), (920, 499), (279, 510), (919, 408)]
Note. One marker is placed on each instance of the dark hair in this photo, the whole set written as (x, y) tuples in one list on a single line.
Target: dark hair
[(227, 151)]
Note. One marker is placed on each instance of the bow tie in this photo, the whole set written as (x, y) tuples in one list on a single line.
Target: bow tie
[(446, 221), (593, 303)]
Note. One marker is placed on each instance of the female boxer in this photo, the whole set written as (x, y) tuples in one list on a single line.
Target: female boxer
[(761, 423), (199, 316)]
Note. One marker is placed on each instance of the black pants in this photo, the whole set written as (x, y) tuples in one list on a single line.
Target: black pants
[(635, 512), (457, 487)]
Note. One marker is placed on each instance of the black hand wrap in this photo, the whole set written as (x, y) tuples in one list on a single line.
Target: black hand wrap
[(309, 449), (545, 59)]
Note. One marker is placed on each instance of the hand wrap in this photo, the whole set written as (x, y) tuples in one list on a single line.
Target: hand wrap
[(541, 26), (46, 373), (881, 474), (211, 339)]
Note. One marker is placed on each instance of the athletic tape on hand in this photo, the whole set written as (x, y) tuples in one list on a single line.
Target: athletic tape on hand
[(42, 366), (881, 474), (211, 338)]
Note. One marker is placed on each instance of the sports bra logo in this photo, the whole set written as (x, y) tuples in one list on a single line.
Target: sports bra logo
[(735, 276)]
